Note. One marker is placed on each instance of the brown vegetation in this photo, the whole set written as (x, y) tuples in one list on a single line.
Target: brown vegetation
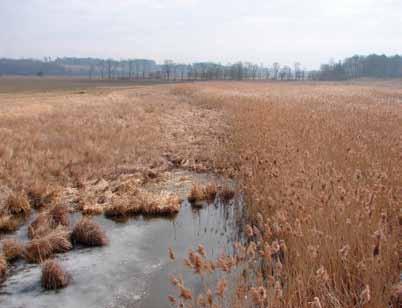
[(319, 164), (322, 165), (88, 233), (17, 205), (200, 193), (92, 209), (12, 249), (53, 276), (3, 268), (49, 220), (40, 249), (8, 223)]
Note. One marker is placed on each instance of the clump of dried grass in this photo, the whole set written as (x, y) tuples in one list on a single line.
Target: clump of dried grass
[(92, 209), (39, 197), (12, 249), (124, 207), (8, 223), (40, 249), (144, 203), (164, 205), (3, 268), (88, 233), (227, 193), (59, 215), (199, 194), (53, 276), (17, 205), (49, 220), (41, 226)]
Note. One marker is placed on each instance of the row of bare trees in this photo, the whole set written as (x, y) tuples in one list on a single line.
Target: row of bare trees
[(378, 66), (169, 70)]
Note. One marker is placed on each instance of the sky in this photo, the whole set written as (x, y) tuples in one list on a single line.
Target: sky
[(261, 31)]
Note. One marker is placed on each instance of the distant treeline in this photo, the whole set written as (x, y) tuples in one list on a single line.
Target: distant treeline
[(378, 66), (375, 66)]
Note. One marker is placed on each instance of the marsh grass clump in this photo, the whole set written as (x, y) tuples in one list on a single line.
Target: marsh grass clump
[(124, 207), (88, 233), (92, 209), (41, 226), (210, 191), (12, 250), (200, 194), (59, 215), (197, 194), (54, 276), (39, 197), (145, 204), (227, 193), (8, 223), (49, 220), (40, 249), (3, 268), (164, 205), (17, 205)]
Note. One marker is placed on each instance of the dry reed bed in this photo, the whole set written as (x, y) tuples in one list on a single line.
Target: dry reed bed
[(322, 163)]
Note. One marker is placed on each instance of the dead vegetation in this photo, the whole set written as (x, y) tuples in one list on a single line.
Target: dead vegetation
[(8, 223), (321, 163), (42, 248), (3, 268), (201, 193), (88, 233), (53, 276), (12, 249), (17, 205), (48, 221), (208, 193)]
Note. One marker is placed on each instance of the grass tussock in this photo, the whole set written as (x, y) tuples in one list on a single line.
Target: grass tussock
[(8, 223), (227, 193), (165, 205), (92, 209), (208, 193), (17, 205), (53, 276), (40, 249), (39, 197), (59, 215), (41, 226), (3, 268), (124, 207), (48, 221), (200, 193), (12, 249), (88, 233), (145, 204)]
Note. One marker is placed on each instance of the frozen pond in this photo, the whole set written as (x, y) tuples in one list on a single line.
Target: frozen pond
[(133, 270)]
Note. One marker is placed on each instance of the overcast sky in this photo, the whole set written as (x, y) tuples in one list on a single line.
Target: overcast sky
[(261, 31)]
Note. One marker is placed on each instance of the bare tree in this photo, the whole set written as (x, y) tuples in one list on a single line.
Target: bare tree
[(167, 68), (275, 70)]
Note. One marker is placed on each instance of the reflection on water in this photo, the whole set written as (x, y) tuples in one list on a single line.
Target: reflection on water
[(133, 270)]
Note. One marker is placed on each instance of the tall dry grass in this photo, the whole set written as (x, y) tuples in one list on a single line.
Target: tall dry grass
[(323, 165), (326, 169)]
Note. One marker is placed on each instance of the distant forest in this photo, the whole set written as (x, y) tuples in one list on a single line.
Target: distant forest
[(376, 66)]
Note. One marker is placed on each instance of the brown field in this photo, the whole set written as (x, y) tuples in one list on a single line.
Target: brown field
[(320, 165), (18, 84)]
